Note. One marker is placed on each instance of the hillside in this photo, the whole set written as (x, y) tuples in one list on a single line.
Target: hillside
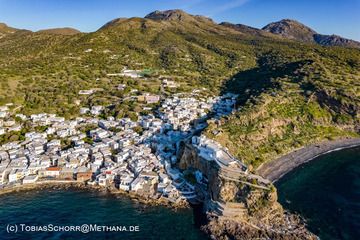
[(60, 31), (295, 30), (290, 93), (290, 105), (247, 30), (5, 30)]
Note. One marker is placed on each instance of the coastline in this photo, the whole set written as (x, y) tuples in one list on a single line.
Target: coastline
[(276, 169), (65, 185)]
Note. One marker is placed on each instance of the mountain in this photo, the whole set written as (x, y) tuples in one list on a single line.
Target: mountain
[(335, 40), (163, 22), (295, 30), (60, 31), (291, 29)]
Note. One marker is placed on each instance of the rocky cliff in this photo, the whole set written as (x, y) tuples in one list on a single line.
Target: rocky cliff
[(242, 208)]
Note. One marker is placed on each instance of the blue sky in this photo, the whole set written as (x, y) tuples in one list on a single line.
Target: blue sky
[(340, 17)]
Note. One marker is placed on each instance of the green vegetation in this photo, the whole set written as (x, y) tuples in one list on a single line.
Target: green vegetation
[(290, 93), (12, 136), (291, 105), (138, 129)]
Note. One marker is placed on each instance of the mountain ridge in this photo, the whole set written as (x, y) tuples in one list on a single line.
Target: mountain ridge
[(285, 28), (294, 30)]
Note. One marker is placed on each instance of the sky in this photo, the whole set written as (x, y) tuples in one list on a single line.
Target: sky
[(341, 17)]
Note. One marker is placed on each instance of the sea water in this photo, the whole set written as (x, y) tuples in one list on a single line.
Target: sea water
[(326, 193)]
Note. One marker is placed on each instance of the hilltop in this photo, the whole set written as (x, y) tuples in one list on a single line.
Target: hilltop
[(5, 30), (295, 30), (176, 15), (291, 29), (60, 31), (169, 15)]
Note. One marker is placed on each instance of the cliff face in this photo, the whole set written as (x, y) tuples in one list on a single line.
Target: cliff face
[(242, 209), (190, 159)]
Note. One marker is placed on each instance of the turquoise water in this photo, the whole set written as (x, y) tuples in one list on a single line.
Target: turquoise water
[(77, 207), (326, 192)]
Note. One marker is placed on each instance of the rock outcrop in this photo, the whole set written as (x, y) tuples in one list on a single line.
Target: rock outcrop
[(242, 208)]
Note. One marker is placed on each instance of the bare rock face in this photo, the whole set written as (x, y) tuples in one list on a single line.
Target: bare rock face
[(228, 191), (177, 14), (225, 229)]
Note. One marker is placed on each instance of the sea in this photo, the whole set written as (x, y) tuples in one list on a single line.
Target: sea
[(87, 212), (326, 193)]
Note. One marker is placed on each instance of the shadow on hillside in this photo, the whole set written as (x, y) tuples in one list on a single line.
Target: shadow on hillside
[(251, 83)]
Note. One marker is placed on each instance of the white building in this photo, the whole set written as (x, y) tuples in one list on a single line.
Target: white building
[(30, 179)]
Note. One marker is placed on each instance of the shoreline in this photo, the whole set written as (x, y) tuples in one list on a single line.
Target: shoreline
[(66, 185), (276, 169)]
